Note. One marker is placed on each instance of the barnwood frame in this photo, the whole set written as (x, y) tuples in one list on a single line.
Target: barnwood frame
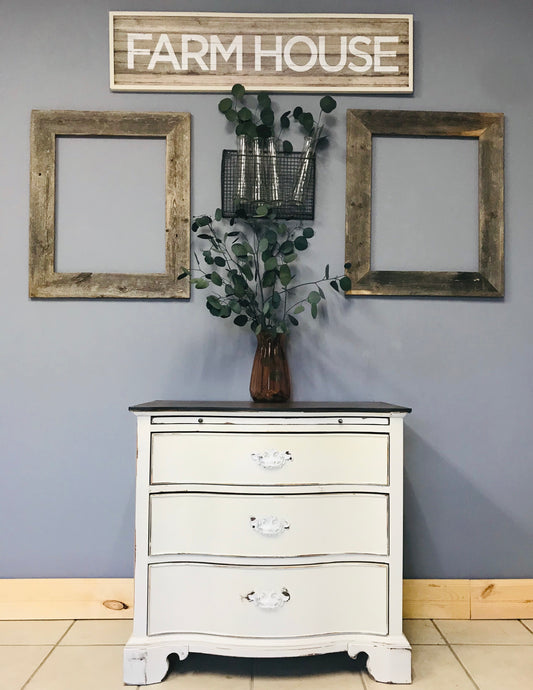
[(488, 129), (46, 126)]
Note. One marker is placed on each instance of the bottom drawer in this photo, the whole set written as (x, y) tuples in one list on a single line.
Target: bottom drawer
[(268, 601)]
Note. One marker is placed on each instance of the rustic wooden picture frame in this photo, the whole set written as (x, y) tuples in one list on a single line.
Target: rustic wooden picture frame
[(488, 129), (46, 126)]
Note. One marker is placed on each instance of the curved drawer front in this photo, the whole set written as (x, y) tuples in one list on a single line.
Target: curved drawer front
[(269, 459), (251, 601), (262, 525)]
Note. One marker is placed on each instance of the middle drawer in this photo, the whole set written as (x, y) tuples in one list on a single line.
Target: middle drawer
[(269, 525)]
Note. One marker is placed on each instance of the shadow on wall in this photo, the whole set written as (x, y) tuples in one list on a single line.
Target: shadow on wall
[(218, 366), (448, 521)]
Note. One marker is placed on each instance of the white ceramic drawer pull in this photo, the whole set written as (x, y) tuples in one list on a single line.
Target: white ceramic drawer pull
[(269, 600), (269, 526), (271, 459)]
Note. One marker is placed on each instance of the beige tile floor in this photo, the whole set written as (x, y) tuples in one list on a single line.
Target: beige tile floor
[(87, 655)]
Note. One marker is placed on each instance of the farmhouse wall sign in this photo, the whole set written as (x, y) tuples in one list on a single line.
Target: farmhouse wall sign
[(185, 51), (46, 125), (487, 128)]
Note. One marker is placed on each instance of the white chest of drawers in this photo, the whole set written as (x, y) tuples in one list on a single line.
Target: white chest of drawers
[(268, 531)]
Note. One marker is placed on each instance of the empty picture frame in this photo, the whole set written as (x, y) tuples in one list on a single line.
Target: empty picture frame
[(44, 281), (487, 128)]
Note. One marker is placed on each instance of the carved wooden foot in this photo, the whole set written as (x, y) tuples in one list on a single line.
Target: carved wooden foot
[(144, 665), (386, 664)]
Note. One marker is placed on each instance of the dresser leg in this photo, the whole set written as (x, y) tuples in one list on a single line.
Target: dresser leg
[(144, 665), (389, 665)]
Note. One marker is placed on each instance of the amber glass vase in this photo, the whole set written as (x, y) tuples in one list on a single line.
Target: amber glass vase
[(270, 380)]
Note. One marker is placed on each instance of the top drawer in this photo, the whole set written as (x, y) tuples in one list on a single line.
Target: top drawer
[(281, 459)]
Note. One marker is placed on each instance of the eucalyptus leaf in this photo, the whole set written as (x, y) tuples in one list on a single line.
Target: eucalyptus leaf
[(308, 232), (271, 264), (334, 285), (218, 214), (225, 311), (214, 301), (264, 131), (287, 247), (220, 261), (263, 99), (245, 268), (216, 279), (225, 104), (238, 91), (287, 147), (262, 210), (327, 104), (239, 249), (269, 278), (276, 298), (301, 243), (240, 320), (314, 297), (250, 129), (271, 236), (326, 272), (267, 116), (201, 221), (285, 276), (244, 114), (289, 258), (200, 283), (235, 306), (263, 244), (347, 265), (299, 309), (293, 320), (345, 283), (231, 115), (297, 112), (307, 122), (314, 311)]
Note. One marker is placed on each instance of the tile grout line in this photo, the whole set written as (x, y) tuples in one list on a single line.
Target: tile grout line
[(457, 658), (525, 626), (47, 656)]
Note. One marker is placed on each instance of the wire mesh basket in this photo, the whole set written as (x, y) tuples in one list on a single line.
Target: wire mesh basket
[(285, 181)]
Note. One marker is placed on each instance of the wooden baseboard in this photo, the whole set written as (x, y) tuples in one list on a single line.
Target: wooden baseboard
[(49, 599)]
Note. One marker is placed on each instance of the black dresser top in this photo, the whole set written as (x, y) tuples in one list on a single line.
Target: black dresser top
[(248, 406)]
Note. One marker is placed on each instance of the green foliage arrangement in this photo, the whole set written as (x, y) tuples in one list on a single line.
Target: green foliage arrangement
[(261, 122), (252, 270), (250, 266)]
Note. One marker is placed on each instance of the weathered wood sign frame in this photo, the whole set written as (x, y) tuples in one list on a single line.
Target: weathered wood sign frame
[(488, 129), (46, 126), (211, 51)]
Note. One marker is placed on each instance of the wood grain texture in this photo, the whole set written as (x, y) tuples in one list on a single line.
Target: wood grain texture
[(211, 72), (488, 281), (436, 599), (63, 598), (44, 281), (500, 599)]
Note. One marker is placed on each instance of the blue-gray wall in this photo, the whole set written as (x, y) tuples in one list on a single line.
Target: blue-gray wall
[(69, 369)]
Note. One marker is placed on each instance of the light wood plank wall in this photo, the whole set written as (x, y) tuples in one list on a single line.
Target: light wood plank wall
[(48, 599)]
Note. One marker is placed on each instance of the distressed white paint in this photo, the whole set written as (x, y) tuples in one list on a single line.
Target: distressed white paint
[(324, 599), (320, 577), (228, 456), (303, 525)]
